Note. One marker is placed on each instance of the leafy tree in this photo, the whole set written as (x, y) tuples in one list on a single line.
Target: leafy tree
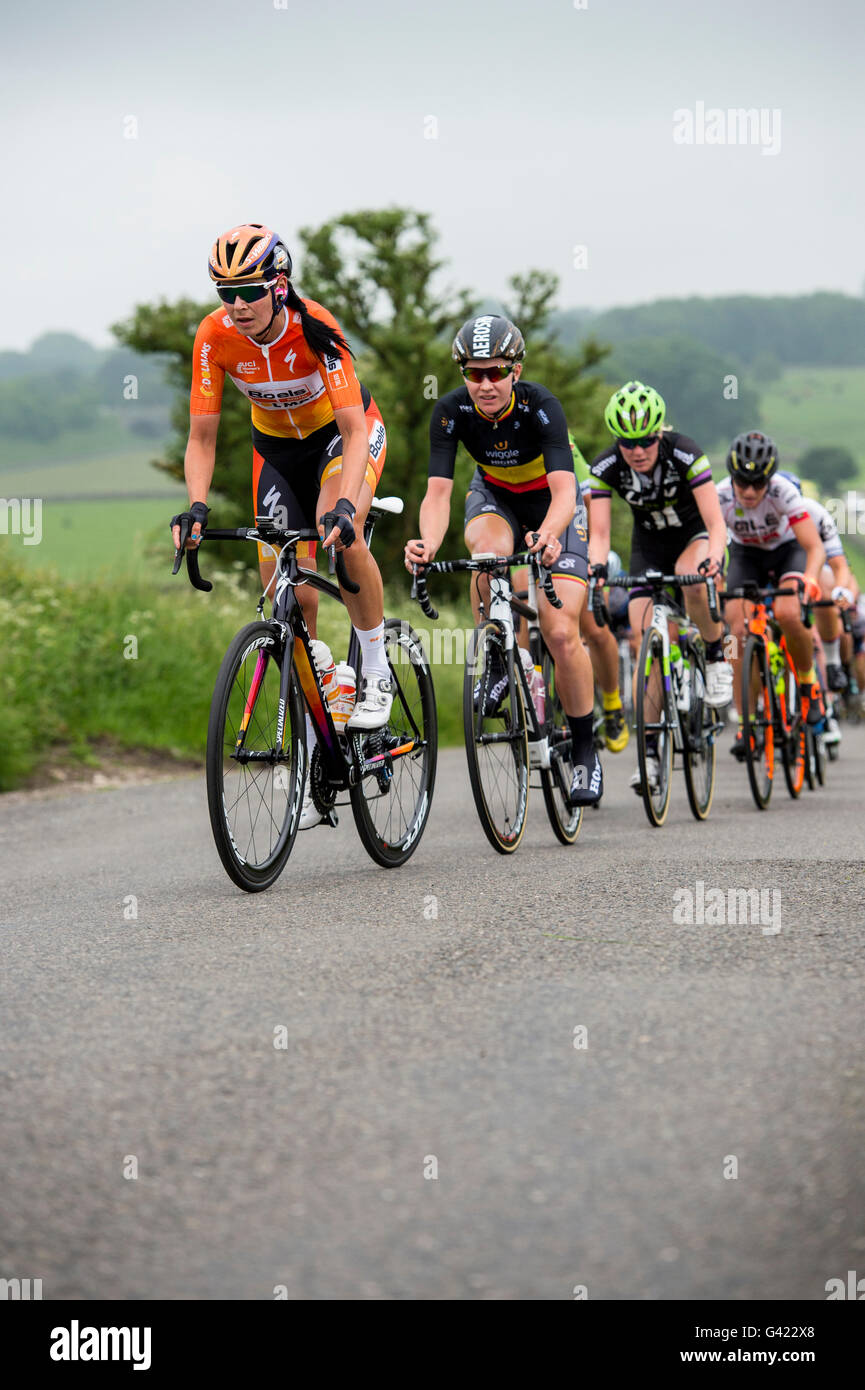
[(829, 465), (27, 411)]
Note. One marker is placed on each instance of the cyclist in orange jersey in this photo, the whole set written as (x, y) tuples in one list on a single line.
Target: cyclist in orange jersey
[(319, 441)]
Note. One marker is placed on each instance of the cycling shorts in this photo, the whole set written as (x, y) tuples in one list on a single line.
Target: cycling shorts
[(524, 512), (763, 567), (659, 550), (288, 473)]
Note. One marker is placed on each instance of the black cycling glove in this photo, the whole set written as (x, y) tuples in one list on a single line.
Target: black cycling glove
[(198, 512), (342, 516)]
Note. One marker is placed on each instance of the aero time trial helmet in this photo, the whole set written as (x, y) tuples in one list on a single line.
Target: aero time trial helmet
[(488, 335)]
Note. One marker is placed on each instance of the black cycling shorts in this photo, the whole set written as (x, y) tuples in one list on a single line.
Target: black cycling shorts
[(524, 512), (659, 550), (749, 564)]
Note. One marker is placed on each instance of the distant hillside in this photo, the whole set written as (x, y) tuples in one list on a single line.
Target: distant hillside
[(65, 386), (821, 329)]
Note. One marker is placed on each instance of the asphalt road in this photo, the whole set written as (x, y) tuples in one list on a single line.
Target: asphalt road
[(429, 1124)]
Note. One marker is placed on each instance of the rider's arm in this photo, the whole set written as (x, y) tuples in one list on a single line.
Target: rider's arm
[(200, 455), (808, 537), (435, 509), (563, 502), (435, 514), (706, 497), (840, 571), (352, 425), (599, 529)]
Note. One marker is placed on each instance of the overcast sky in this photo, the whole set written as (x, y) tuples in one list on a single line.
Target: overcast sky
[(555, 130)]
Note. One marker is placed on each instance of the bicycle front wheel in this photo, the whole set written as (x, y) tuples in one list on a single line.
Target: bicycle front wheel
[(565, 819), (699, 730), (255, 769), (496, 735), (391, 803), (654, 730), (758, 733)]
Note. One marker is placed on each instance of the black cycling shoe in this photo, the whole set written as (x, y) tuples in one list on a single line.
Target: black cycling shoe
[(587, 785), (814, 697), (737, 747), (836, 677)]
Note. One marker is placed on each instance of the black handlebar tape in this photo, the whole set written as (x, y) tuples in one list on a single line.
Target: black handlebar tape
[(194, 572), (712, 594), (420, 593), (549, 590), (599, 608), (342, 575)]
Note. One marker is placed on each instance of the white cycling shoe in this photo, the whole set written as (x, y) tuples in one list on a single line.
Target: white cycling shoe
[(833, 730), (653, 772), (372, 710), (309, 812), (719, 683)]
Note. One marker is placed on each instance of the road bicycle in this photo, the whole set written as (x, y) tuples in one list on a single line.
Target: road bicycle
[(257, 763), (673, 716), (507, 737), (769, 702)]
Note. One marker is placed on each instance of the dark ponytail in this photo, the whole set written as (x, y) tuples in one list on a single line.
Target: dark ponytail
[(320, 337)]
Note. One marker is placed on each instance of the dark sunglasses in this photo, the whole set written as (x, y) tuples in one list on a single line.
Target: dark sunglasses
[(478, 374), (250, 294), (751, 484), (643, 443)]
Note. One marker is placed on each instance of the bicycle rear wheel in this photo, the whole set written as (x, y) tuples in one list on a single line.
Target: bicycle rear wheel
[(699, 732), (793, 749), (496, 736), (815, 758), (653, 725), (565, 819), (391, 803), (758, 734), (254, 773)]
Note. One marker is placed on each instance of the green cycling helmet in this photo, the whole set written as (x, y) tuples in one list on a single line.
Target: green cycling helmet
[(634, 410)]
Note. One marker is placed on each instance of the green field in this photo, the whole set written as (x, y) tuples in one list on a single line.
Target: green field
[(808, 406), (87, 539)]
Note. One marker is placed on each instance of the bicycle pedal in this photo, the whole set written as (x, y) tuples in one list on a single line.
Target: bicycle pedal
[(331, 819)]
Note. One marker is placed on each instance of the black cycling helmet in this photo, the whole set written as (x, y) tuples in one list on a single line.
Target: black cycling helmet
[(488, 335), (752, 457)]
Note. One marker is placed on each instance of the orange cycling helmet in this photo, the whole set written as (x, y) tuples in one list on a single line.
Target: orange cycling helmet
[(248, 253)]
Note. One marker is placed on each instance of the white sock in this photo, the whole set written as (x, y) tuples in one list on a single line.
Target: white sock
[(373, 652), (832, 651), (311, 737)]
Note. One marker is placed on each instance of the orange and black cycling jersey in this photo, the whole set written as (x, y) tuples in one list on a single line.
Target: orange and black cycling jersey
[(516, 451), (292, 392)]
